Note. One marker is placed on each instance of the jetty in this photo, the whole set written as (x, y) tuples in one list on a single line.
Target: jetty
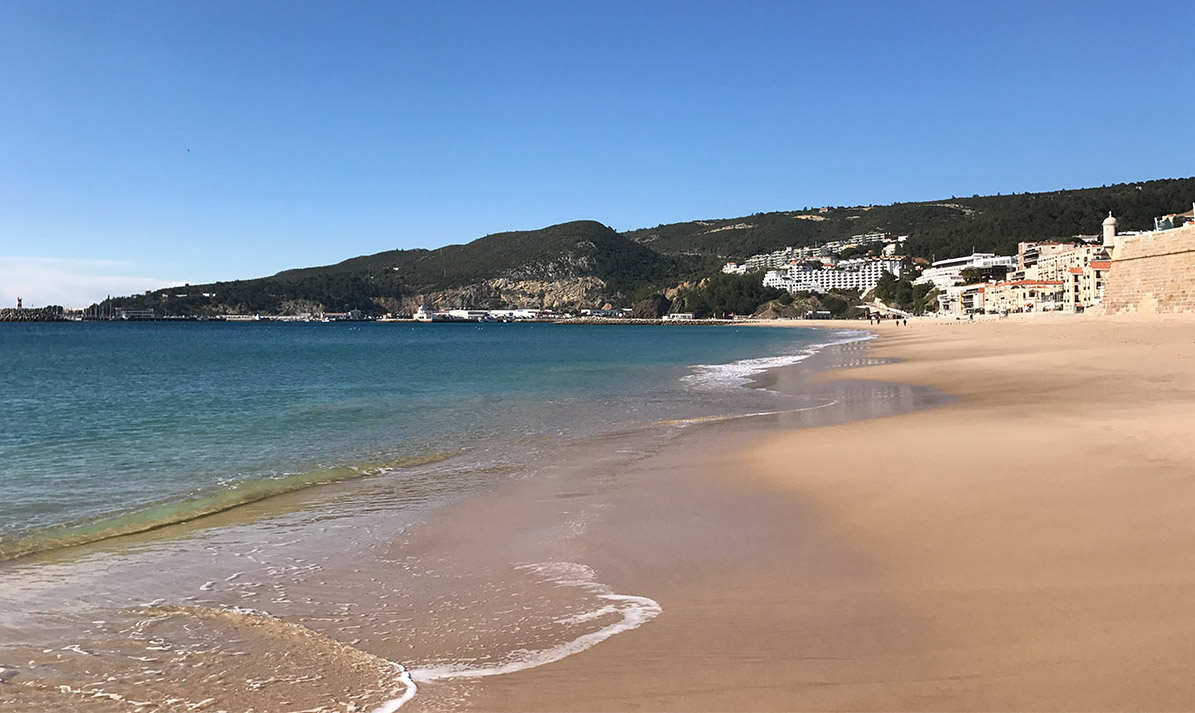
[(32, 314)]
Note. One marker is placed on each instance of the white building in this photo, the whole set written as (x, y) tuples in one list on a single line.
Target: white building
[(948, 273), (855, 274)]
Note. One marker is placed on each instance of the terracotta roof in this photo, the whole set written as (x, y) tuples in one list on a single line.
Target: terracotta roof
[(1077, 270), (1101, 264)]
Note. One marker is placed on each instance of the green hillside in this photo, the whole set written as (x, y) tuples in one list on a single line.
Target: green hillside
[(937, 229), (633, 264), (579, 248), (560, 252)]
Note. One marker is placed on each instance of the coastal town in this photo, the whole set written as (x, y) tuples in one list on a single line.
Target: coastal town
[(1044, 276), (1065, 275)]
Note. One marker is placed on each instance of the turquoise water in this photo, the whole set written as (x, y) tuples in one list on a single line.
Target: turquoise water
[(102, 420)]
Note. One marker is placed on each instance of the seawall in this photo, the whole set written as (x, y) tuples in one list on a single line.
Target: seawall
[(1152, 273)]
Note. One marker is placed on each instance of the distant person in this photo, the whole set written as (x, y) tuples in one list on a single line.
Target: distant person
[(906, 320)]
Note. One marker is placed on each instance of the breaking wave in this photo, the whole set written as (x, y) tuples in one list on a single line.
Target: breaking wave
[(716, 377)]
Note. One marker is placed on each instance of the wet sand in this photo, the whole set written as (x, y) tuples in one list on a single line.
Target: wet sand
[(1026, 547)]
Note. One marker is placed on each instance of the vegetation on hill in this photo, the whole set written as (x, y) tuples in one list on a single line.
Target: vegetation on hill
[(725, 296), (630, 267), (561, 252), (904, 295), (835, 304), (936, 229)]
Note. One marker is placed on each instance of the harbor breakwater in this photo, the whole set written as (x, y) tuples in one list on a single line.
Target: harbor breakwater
[(37, 314)]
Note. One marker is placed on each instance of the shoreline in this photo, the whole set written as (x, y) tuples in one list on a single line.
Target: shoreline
[(676, 527), (1027, 545), (958, 516), (357, 566)]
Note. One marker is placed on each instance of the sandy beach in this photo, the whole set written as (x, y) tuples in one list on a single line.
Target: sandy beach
[(1028, 546), (989, 515)]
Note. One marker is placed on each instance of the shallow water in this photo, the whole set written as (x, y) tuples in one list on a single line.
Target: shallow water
[(136, 425), (318, 599)]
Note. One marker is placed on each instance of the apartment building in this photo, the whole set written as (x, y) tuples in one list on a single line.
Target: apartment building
[(1023, 296), (860, 274), (1083, 287)]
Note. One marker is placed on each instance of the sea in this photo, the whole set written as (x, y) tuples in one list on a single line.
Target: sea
[(211, 516)]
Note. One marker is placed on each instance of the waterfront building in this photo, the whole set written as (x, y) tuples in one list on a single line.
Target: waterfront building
[(948, 273), (1029, 254), (963, 300), (1023, 296), (1083, 287), (860, 274), (353, 315), (1057, 265)]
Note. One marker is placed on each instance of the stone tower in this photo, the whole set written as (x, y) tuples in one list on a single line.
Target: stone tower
[(1109, 230)]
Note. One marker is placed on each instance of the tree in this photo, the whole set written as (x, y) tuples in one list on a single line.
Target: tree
[(970, 276), (725, 294)]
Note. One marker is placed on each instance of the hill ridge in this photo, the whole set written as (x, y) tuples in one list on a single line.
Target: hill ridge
[(586, 263)]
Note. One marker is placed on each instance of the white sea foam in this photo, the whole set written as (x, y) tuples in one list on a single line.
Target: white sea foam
[(408, 692), (634, 611), (681, 422), (715, 377)]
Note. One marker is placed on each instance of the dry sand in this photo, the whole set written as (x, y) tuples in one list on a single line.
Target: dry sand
[(1030, 546)]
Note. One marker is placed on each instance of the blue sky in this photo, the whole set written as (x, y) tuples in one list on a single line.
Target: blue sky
[(144, 143)]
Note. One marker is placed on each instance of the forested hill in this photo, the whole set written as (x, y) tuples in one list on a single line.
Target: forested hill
[(937, 229), (563, 266), (576, 249), (585, 263)]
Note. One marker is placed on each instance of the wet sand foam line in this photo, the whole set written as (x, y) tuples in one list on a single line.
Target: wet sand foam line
[(733, 416), (392, 678), (398, 684), (274, 628), (633, 612)]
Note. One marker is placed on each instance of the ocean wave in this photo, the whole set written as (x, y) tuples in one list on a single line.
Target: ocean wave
[(717, 377)]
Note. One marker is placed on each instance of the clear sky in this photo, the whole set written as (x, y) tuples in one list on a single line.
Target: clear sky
[(145, 143)]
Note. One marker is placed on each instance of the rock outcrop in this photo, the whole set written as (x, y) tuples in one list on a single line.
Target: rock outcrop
[(505, 292)]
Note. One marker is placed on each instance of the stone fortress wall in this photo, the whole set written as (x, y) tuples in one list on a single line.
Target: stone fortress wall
[(1152, 273)]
